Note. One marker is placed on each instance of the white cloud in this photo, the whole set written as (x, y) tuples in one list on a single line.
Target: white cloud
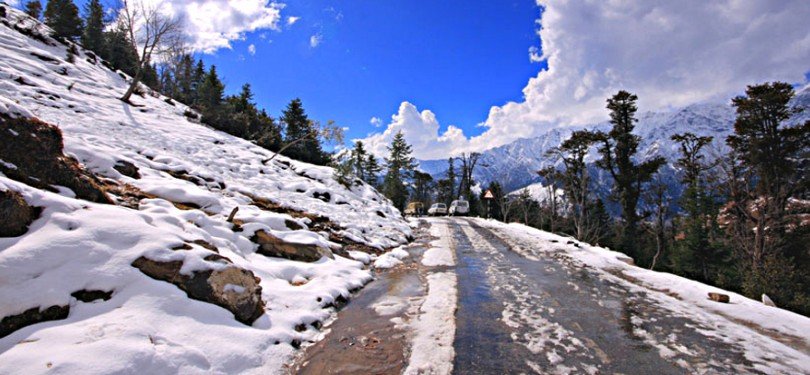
[(420, 130), (534, 54), (376, 121), (252, 49), (670, 53), (315, 40), (213, 24), (291, 20)]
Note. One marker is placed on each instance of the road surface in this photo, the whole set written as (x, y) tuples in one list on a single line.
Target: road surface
[(518, 314)]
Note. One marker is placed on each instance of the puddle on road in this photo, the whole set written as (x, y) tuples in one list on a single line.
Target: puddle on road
[(363, 339)]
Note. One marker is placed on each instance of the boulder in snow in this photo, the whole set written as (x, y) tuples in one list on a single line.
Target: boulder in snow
[(273, 246), (31, 316), (16, 213), (719, 297), (232, 288)]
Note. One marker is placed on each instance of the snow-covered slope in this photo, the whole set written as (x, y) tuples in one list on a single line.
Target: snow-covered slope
[(193, 178)]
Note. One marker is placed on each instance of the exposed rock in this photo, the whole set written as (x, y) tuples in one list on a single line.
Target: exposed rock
[(324, 196), (31, 316), (16, 213), (127, 169), (35, 148), (270, 245), (232, 288), (293, 225), (85, 295), (718, 297)]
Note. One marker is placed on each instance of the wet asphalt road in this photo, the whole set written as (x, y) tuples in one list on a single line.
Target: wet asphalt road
[(519, 315)]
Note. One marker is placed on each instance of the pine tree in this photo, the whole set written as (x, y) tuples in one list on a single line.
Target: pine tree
[(618, 149), (373, 170), (399, 166), (694, 255), (451, 181), (118, 51), (768, 172), (300, 133), (33, 8), (93, 36), (269, 133), (358, 159), (63, 17), (210, 96)]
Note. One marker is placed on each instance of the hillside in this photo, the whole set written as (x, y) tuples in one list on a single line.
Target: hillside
[(100, 274)]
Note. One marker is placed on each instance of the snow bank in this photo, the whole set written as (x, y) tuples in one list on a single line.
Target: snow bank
[(432, 351), (391, 258), (440, 253)]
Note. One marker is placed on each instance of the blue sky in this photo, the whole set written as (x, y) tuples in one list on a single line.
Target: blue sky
[(456, 57)]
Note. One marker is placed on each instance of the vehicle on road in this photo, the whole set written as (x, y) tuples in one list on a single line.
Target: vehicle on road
[(437, 209), (415, 209), (459, 207)]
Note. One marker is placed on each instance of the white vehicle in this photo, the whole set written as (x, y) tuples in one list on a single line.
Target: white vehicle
[(437, 209), (459, 208)]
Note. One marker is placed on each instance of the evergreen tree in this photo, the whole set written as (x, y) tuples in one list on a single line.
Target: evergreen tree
[(618, 149), (694, 255), (63, 17), (210, 96), (301, 135), (33, 8), (118, 51), (451, 181), (358, 160), (767, 174), (400, 166), (269, 133), (373, 170), (93, 36)]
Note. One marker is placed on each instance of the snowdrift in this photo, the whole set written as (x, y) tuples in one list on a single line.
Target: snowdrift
[(162, 281)]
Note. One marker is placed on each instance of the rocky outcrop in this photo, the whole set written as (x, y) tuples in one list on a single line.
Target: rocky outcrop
[(232, 288), (31, 316), (16, 213), (272, 246), (32, 154)]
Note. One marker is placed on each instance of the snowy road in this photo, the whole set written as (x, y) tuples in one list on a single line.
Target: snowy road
[(528, 301), (520, 312)]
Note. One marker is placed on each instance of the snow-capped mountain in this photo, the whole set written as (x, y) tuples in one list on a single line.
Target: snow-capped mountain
[(514, 165)]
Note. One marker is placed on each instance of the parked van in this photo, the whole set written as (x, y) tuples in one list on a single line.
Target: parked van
[(459, 207)]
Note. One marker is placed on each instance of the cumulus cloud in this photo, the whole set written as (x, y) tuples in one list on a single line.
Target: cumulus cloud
[(291, 20), (213, 24), (376, 121), (252, 49), (420, 130), (670, 53), (315, 40)]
